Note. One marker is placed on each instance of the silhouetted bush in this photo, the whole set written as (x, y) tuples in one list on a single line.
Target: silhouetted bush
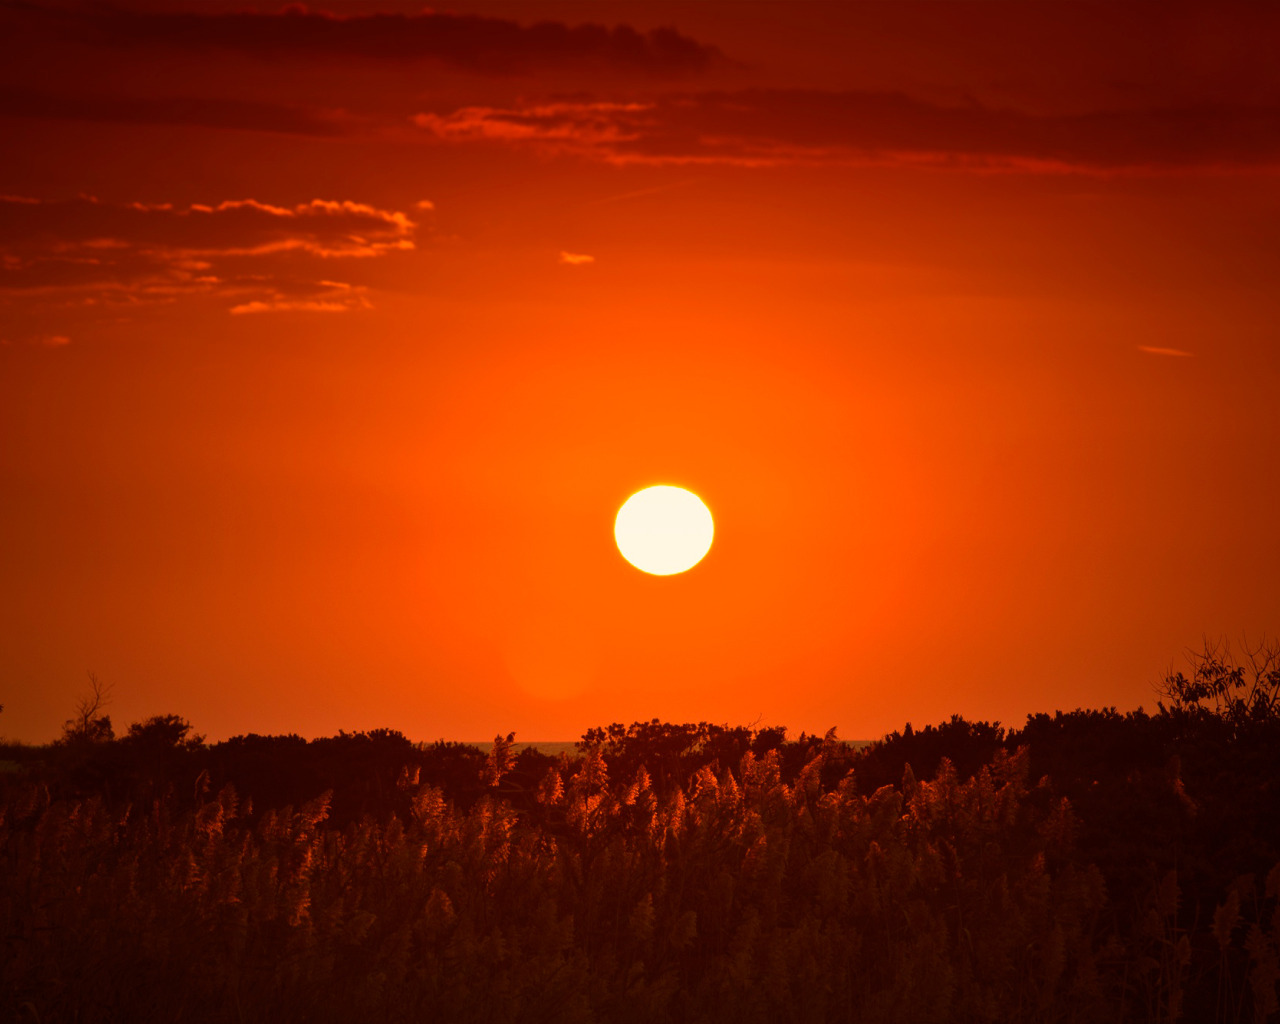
[(966, 745)]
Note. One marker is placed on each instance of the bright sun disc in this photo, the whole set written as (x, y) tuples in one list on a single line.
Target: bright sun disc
[(663, 530)]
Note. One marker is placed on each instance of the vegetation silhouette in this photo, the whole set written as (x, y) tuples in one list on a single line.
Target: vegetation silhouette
[(1091, 865)]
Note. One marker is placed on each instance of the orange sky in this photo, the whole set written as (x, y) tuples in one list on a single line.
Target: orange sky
[(962, 319)]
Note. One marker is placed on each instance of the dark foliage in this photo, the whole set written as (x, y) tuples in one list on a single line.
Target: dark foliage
[(1089, 866), (673, 753), (966, 745)]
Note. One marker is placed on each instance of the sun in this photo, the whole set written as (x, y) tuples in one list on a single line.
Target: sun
[(663, 530)]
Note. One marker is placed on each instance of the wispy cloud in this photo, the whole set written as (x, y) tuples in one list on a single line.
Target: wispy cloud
[(640, 193), (1156, 350), (256, 256), (336, 297), (578, 126), (42, 340), (189, 111), (772, 127), (576, 259)]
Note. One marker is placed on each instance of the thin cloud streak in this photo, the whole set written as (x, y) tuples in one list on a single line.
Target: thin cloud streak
[(640, 193), (289, 305), (42, 340), (336, 297), (1156, 350), (187, 111), (775, 127)]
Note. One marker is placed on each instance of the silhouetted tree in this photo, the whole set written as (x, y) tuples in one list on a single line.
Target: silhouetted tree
[(90, 725), (967, 745), (1221, 693), (163, 732)]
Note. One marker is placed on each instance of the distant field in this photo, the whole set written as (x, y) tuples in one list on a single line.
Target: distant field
[(553, 748)]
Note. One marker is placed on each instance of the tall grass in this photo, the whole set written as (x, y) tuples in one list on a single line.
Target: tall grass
[(734, 896)]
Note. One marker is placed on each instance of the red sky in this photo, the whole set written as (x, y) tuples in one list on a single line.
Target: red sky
[(315, 414)]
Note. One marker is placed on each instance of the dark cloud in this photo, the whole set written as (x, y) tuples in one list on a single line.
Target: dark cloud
[(787, 126), (249, 115), (253, 255), (242, 226), (467, 42)]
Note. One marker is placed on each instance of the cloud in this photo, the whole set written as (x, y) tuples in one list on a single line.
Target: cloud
[(286, 305), (244, 115), (254, 255), (1155, 350), (43, 340), (772, 127), (336, 297), (473, 43), (576, 259), (578, 126), (237, 226)]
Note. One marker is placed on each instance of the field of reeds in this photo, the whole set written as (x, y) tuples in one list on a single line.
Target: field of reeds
[(1090, 866)]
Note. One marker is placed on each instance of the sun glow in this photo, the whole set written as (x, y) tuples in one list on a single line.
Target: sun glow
[(663, 530)]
